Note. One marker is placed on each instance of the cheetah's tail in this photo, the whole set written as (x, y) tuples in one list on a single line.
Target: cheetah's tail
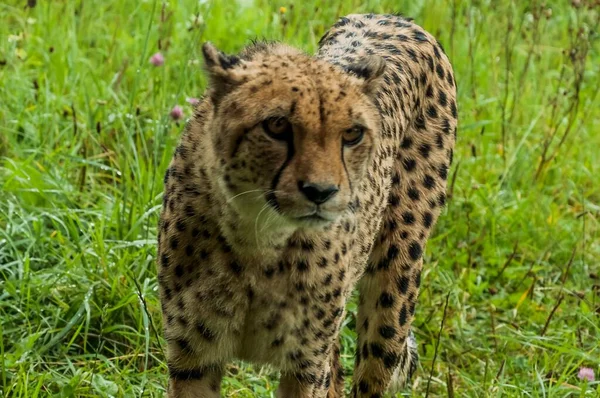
[(407, 366)]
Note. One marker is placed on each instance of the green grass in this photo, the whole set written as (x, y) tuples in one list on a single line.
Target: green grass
[(85, 137)]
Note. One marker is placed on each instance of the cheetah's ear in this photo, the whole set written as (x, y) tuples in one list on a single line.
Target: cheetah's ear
[(370, 69), (222, 70)]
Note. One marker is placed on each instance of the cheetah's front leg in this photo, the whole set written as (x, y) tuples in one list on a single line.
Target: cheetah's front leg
[(196, 383), (385, 353), (317, 378)]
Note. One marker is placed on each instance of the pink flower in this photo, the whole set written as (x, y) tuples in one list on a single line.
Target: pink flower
[(192, 101), (177, 113), (157, 59), (586, 374)]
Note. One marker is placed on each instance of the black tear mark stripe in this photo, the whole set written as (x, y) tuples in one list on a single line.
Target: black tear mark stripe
[(346, 168), (270, 196)]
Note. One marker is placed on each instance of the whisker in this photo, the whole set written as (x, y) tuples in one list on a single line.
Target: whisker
[(246, 192), (265, 207)]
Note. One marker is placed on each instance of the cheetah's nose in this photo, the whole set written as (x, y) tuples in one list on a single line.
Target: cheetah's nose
[(317, 193)]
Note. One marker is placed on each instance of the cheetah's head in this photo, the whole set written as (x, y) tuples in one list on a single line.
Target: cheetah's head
[(292, 134)]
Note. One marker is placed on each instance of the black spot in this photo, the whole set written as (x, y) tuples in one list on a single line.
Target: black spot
[(235, 267), (403, 315), (412, 54), (420, 122), (439, 140), (453, 108), (413, 194), (164, 260), (376, 350), (168, 294), (387, 331), (320, 314), (390, 360), (408, 218), (307, 245), (440, 71), (427, 219), (429, 92), (386, 300), (393, 252), (394, 200), (424, 150), (180, 225), (432, 111), (204, 331), (419, 36), (442, 98), (272, 321), (363, 386), (446, 126), (442, 199), (402, 283), (342, 22), (406, 143), (269, 271), (418, 278), (428, 182), (443, 172), (308, 378), (179, 270), (185, 374), (365, 351), (189, 250), (415, 251), (409, 164), (302, 266), (189, 211), (322, 262), (174, 243), (184, 345)]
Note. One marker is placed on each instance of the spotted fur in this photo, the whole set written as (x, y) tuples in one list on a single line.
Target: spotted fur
[(297, 179)]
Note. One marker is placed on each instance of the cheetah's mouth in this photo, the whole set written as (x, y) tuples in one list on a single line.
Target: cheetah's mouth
[(313, 217)]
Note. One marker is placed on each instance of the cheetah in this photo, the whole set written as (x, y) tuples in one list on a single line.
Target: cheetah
[(298, 179)]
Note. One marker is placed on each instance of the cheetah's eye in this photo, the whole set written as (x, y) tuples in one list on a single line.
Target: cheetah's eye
[(278, 128), (353, 136)]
